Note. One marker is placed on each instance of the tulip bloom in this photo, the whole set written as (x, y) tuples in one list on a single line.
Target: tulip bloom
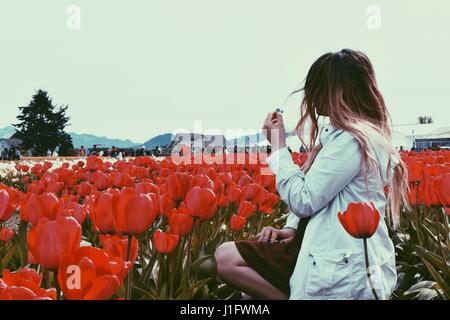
[(234, 193), (90, 274), (6, 207), (360, 219), (94, 164), (246, 209), (134, 212), (49, 240), (237, 222), (116, 246), (102, 181), (146, 187), (35, 207), (102, 213), (76, 210), (201, 202), (166, 204), (165, 242), (267, 202), (24, 285), (180, 223), (84, 189), (178, 185), (443, 189)]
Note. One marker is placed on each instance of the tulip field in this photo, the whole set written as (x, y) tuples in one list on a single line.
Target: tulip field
[(146, 228)]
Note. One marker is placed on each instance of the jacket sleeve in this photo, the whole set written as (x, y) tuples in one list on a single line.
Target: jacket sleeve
[(335, 166), (292, 221)]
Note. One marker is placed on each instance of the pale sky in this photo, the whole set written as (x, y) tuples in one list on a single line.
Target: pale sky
[(137, 68)]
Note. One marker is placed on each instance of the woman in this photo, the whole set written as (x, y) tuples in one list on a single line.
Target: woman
[(351, 160)]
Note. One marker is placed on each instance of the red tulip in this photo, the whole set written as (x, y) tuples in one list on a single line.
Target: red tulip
[(90, 274), (102, 213), (147, 187), (253, 192), (246, 209), (49, 240), (202, 181), (84, 189), (94, 164), (134, 213), (443, 189), (24, 285), (6, 207), (415, 171), (428, 191), (166, 204), (237, 222), (201, 202), (234, 193), (122, 180), (178, 185), (35, 207), (76, 210), (165, 242), (6, 234), (267, 202), (360, 219), (116, 246), (180, 223), (102, 181)]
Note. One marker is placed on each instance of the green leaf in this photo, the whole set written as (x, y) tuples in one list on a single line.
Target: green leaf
[(4, 262), (441, 282)]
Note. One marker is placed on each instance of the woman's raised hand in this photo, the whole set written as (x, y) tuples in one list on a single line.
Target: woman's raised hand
[(274, 130), (269, 234)]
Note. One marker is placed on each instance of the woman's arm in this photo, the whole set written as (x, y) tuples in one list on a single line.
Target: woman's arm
[(306, 194)]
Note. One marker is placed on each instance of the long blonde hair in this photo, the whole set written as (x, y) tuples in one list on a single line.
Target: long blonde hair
[(342, 86)]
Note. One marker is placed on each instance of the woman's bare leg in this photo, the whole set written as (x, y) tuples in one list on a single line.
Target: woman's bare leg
[(233, 269)]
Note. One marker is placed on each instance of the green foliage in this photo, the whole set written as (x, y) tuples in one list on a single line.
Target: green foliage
[(423, 251)]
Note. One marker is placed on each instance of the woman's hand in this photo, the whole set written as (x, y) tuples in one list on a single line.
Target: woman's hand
[(274, 130), (269, 234)]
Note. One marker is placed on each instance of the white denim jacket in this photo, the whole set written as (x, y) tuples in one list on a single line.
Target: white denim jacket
[(331, 263)]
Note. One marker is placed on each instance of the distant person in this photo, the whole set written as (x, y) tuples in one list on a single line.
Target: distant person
[(49, 153), (83, 152), (113, 152), (30, 153), (5, 154), (55, 154), (401, 149)]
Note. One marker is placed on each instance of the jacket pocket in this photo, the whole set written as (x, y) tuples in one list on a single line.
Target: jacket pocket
[(330, 275)]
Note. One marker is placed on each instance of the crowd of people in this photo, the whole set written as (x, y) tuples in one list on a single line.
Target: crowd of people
[(10, 154)]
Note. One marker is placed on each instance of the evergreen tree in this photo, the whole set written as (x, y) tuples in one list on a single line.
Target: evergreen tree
[(42, 125)]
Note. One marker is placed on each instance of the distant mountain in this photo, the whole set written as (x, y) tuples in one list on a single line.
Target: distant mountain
[(88, 140), (253, 138), (7, 132), (162, 139)]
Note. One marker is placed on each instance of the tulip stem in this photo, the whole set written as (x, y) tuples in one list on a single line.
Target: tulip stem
[(130, 272), (369, 277)]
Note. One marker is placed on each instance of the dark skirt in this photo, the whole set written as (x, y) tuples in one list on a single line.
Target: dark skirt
[(275, 262)]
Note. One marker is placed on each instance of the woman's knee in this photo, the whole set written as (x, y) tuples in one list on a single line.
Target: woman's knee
[(225, 255)]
